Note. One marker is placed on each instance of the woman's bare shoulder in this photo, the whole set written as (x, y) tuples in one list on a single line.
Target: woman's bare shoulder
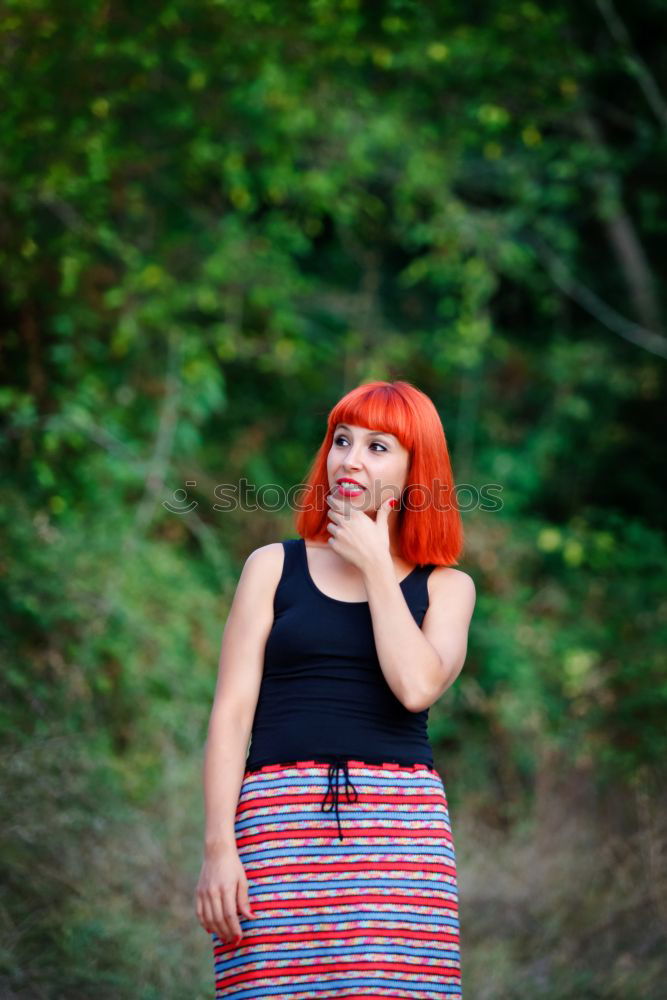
[(267, 555), (259, 577), (265, 562), (448, 580)]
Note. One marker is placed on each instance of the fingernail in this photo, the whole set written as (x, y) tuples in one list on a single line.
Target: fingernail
[(392, 503)]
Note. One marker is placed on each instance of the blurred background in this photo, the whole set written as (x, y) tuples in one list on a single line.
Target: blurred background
[(218, 217)]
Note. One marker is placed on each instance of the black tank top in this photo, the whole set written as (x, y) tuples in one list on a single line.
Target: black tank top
[(323, 695)]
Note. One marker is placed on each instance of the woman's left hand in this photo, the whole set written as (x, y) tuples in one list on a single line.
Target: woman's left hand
[(355, 536)]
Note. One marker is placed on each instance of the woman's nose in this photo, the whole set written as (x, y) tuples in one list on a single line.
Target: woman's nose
[(354, 457)]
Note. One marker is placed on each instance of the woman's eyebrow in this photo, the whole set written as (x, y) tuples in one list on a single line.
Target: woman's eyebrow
[(368, 433)]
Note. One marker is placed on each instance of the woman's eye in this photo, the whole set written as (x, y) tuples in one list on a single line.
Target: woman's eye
[(341, 437)]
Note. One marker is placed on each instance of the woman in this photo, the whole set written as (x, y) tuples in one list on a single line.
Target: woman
[(336, 645)]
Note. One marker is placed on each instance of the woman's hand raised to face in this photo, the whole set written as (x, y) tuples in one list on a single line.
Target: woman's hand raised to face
[(355, 536)]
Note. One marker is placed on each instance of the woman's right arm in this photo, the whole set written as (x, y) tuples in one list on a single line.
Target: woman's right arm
[(222, 889)]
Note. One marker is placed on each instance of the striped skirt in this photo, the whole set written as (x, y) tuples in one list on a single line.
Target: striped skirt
[(360, 903)]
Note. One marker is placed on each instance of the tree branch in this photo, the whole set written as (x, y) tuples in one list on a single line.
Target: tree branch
[(593, 304), (646, 81)]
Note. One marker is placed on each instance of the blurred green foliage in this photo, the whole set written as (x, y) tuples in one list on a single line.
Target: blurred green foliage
[(219, 216)]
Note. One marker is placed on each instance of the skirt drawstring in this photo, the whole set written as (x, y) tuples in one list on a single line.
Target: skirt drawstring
[(335, 766)]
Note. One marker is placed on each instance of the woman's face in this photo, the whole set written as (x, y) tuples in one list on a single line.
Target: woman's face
[(374, 459)]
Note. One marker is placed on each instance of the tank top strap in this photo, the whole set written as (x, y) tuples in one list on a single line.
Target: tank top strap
[(420, 574), (291, 547), (291, 579), (415, 588)]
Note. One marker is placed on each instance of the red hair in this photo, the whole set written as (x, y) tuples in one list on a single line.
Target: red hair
[(430, 535)]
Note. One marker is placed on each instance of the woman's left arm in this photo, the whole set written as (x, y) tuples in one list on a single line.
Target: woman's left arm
[(419, 664)]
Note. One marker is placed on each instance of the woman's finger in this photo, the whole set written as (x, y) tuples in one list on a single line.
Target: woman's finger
[(207, 914), (231, 916), (243, 898), (199, 910), (217, 912)]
